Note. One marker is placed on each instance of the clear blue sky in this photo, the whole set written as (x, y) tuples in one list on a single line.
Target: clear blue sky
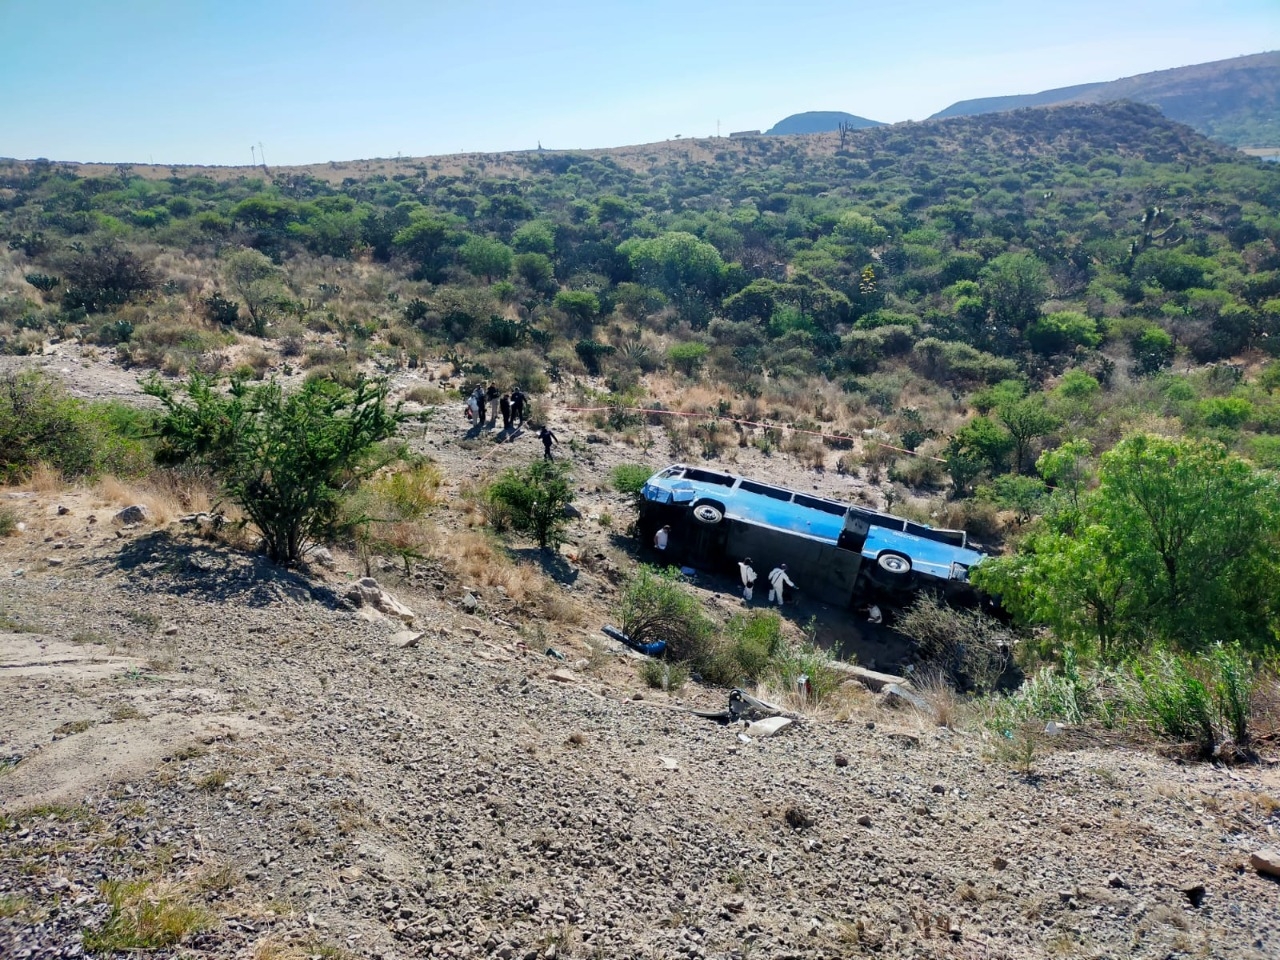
[(199, 81)]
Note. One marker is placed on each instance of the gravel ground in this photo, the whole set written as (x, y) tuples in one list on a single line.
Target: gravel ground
[(249, 744)]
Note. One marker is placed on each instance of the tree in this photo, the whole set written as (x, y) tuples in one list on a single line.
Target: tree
[(534, 499), (488, 259), (683, 267), (1178, 543), (257, 281), (1063, 330), (105, 277), (687, 357), (428, 241), (1066, 467), (1013, 287), (1152, 350), (1026, 420), (982, 438), (285, 459), (580, 306), (537, 271)]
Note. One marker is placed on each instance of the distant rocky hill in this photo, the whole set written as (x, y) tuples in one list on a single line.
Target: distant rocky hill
[(1235, 101), (820, 121)]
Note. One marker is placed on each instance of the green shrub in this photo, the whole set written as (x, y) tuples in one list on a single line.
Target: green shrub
[(688, 357), (1233, 684), (629, 478), (1169, 694), (747, 650), (793, 661), (1055, 692), (41, 423), (663, 674), (8, 521), (534, 499), (654, 606), (286, 459), (968, 647)]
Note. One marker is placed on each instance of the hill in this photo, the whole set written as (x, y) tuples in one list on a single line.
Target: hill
[(936, 318), (1236, 101), (820, 121)]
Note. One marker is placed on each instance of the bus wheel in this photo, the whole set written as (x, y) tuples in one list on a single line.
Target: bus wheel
[(894, 563), (708, 513)]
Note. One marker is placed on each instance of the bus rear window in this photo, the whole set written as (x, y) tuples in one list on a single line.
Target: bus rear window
[(765, 491)]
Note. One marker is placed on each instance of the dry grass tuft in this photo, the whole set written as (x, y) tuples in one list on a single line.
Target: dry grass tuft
[(44, 479), (162, 506), (944, 702), (478, 561)]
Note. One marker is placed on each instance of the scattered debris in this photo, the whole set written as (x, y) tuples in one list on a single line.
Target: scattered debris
[(654, 649), (742, 707), (768, 727)]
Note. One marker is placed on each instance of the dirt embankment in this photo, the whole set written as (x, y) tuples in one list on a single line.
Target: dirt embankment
[(306, 778)]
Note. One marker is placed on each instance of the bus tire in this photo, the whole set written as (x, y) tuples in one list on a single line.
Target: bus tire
[(708, 512), (895, 563)]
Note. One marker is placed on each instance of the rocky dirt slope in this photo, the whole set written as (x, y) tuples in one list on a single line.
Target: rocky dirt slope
[(237, 753)]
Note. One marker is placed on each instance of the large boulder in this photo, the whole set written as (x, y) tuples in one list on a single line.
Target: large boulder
[(136, 513), (366, 592)]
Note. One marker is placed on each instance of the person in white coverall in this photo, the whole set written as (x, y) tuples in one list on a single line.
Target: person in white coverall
[(778, 579), (748, 578)]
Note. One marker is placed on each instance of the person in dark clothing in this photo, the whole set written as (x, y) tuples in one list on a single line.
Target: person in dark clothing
[(505, 406), (480, 401), (491, 395), (547, 438), (517, 406)]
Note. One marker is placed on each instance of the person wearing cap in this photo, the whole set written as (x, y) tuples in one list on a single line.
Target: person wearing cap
[(778, 579), (662, 538)]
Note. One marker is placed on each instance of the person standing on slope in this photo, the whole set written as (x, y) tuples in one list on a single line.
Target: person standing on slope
[(547, 438), (748, 575), (778, 580), (517, 406), (505, 406), (491, 396)]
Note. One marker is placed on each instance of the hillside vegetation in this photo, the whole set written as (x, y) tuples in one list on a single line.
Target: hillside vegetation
[(1002, 298), (1057, 328), (1236, 101)]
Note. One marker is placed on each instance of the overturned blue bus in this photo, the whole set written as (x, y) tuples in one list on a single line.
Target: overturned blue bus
[(836, 552)]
